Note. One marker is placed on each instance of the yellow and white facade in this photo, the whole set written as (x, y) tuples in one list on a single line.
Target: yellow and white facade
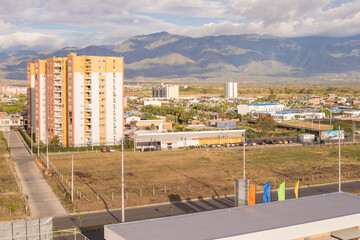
[(84, 100)]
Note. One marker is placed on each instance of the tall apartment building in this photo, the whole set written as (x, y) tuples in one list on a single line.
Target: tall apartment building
[(230, 90), (165, 91), (77, 98)]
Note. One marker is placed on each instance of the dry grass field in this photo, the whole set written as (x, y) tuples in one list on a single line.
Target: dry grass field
[(155, 177), (313, 125), (10, 197)]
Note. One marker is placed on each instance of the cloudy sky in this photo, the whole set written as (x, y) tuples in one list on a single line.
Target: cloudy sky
[(52, 24)]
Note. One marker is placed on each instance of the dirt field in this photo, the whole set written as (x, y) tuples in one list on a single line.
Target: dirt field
[(155, 177), (313, 125), (10, 198)]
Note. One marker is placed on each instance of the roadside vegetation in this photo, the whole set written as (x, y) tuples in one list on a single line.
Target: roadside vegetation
[(11, 201)]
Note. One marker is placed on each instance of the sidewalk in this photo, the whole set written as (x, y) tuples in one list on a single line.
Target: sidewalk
[(42, 201)]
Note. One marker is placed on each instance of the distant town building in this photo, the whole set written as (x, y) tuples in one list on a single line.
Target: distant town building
[(78, 98), (230, 90), (10, 121), (292, 115), (12, 90), (165, 91), (152, 103), (252, 109)]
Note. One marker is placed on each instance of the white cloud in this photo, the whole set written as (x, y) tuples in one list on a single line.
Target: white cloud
[(31, 40), (86, 22)]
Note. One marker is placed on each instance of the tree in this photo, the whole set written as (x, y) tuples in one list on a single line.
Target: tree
[(271, 97), (265, 123), (55, 142), (343, 126)]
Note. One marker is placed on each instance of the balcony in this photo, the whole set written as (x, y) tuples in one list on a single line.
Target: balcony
[(87, 62), (88, 123), (57, 64), (88, 89), (87, 96), (57, 103), (57, 115), (57, 89), (57, 70), (57, 83), (87, 83), (57, 95), (88, 116), (87, 76), (57, 109), (88, 129), (88, 69)]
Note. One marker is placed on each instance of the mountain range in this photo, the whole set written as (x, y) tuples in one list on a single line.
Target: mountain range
[(262, 58)]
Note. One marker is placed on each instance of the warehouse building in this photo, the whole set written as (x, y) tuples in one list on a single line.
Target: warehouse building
[(327, 216), (173, 140), (252, 109)]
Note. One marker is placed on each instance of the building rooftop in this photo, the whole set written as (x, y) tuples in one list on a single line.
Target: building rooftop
[(190, 135), (288, 219), (263, 104)]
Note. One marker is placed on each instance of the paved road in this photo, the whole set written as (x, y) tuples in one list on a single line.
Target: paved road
[(162, 210), (43, 202)]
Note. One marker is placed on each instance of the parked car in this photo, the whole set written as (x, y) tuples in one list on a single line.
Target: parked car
[(111, 149), (16, 129), (285, 141), (261, 143), (104, 150)]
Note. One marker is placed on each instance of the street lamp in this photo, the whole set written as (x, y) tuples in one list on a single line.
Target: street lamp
[(31, 140), (122, 182), (72, 178), (339, 162), (244, 155)]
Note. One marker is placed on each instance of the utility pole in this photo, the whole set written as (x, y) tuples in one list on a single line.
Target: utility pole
[(72, 178), (244, 155), (339, 162), (330, 117), (31, 140), (122, 182), (38, 142), (319, 131), (47, 150)]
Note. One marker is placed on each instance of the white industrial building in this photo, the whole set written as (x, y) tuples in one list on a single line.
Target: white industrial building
[(230, 90), (172, 140), (291, 115), (165, 91), (251, 109), (328, 216)]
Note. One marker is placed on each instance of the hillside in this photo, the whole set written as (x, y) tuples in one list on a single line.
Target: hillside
[(242, 58)]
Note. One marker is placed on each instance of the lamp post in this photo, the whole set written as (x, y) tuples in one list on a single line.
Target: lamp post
[(122, 182), (38, 142), (339, 162), (244, 155), (31, 140), (47, 150), (72, 178)]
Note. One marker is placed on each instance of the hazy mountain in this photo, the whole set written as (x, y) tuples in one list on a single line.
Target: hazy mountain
[(163, 55)]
